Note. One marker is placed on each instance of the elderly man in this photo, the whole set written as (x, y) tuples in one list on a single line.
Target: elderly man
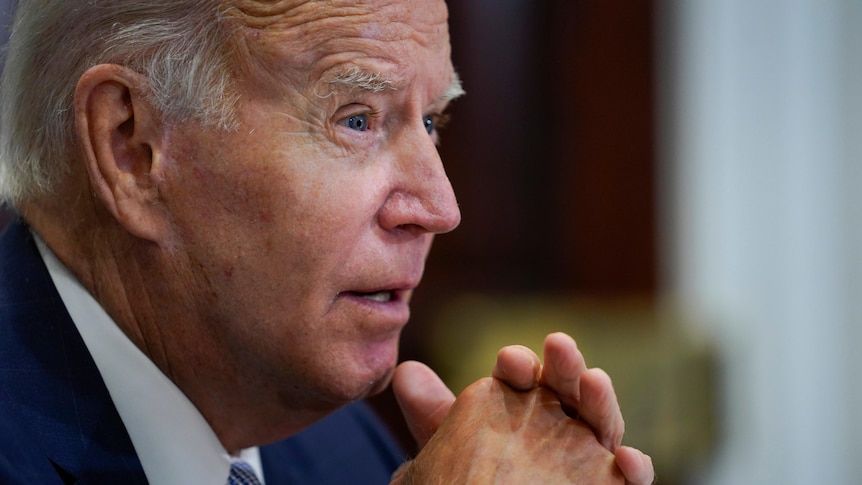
[(225, 206)]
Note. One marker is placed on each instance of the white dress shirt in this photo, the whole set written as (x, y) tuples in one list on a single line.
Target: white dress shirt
[(172, 439)]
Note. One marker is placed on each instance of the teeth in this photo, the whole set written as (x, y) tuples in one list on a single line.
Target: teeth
[(381, 296)]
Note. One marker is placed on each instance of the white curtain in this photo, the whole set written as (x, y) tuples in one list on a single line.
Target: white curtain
[(761, 137)]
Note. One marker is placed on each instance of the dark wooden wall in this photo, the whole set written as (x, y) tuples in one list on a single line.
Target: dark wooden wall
[(551, 151)]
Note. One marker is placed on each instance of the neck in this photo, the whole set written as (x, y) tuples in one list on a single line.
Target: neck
[(141, 286)]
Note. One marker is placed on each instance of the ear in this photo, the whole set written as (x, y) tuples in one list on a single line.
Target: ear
[(121, 134)]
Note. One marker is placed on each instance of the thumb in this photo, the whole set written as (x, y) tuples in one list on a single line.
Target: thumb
[(424, 399), (636, 466)]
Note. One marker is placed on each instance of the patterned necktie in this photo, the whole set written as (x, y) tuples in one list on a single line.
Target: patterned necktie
[(241, 473)]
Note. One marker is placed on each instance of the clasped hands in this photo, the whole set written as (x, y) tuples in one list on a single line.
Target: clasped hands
[(557, 422)]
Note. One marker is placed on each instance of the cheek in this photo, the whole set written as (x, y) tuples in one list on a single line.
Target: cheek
[(276, 230), (325, 230), (253, 211)]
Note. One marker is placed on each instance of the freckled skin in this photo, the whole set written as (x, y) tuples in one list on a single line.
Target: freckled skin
[(277, 221)]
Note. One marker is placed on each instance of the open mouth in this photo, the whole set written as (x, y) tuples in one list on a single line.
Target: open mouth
[(383, 296)]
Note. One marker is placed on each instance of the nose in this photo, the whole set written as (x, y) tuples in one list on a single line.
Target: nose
[(421, 199)]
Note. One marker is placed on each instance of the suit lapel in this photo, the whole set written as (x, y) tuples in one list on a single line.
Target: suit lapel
[(349, 446), (49, 379)]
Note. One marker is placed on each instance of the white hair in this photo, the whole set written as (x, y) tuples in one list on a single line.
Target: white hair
[(182, 48)]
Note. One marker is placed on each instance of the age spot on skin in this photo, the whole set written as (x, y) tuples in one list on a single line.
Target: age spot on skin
[(265, 216)]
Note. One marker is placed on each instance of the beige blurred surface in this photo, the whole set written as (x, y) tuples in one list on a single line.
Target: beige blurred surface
[(665, 378)]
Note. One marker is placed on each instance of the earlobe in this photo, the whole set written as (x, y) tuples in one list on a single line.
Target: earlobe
[(120, 135)]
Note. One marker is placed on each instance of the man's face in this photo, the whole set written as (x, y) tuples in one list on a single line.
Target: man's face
[(307, 229)]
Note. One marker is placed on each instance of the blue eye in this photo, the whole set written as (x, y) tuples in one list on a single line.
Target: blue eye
[(358, 122), (429, 124)]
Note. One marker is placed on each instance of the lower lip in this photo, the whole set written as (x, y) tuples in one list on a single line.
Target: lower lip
[(394, 312)]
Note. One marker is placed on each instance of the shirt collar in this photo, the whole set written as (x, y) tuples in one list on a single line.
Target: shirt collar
[(173, 440)]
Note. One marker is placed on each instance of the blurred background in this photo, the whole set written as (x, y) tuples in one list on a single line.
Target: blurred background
[(675, 184)]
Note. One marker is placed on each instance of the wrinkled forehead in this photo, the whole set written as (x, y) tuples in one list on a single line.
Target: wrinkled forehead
[(320, 33)]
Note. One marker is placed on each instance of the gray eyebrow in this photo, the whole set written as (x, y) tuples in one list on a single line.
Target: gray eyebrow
[(357, 78), (455, 89)]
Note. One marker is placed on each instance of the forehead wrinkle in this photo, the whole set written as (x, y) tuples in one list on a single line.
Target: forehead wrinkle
[(318, 42), (313, 22), (298, 43), (288, 14), (259, 15)]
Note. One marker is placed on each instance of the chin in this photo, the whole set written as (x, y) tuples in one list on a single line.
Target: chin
[(356, 371), (372, 380), (377, 386)]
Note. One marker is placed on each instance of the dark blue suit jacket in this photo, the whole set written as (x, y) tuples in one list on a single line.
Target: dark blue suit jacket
[(58, 424)]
